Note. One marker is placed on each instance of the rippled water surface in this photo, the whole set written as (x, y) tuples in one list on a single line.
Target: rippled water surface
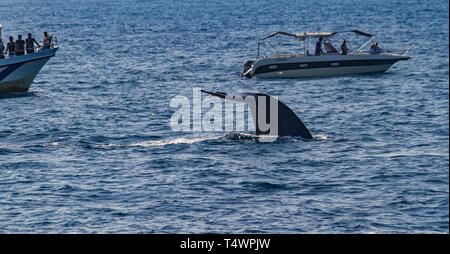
[(89, 148)]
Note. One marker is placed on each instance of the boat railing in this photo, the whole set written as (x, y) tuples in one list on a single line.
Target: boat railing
[(405, 51), (402, 52), (53, 44)]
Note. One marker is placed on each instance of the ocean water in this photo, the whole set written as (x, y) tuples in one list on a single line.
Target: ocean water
[(89, 148)]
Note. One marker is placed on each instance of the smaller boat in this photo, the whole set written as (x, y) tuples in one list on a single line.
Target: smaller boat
[(329, 62), (18, 72)]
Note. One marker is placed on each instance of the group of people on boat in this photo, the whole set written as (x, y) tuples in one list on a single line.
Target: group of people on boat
[(374, 49), (20, 46)]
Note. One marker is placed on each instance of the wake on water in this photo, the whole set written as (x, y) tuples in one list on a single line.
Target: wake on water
[(230, 136)]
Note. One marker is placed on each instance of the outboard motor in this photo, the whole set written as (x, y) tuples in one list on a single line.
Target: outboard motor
[(246, 68)]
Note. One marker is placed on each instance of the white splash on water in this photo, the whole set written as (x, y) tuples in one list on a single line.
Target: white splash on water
[(164, 142), (174, 141), (192, 140), (320, 137), (52, 144)]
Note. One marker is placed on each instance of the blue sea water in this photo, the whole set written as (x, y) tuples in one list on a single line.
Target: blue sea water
[(89, 148)]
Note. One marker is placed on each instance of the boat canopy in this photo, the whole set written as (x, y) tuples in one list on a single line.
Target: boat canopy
[(304, 36), (307, 35)]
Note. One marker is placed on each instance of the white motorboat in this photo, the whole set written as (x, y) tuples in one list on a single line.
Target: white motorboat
[(18, 72), (329, 62)]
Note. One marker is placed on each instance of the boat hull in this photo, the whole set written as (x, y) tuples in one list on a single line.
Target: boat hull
[(324, 72), (17, 73), (321, 66)]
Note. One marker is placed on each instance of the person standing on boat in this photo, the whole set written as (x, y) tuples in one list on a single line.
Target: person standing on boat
[(11, 47), (344, 48), (319, 47), (20, 46), (47, 40), (30, 41), (2, 49)]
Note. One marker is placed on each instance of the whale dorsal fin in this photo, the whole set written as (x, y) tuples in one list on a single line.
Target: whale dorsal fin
[(289, 124)]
